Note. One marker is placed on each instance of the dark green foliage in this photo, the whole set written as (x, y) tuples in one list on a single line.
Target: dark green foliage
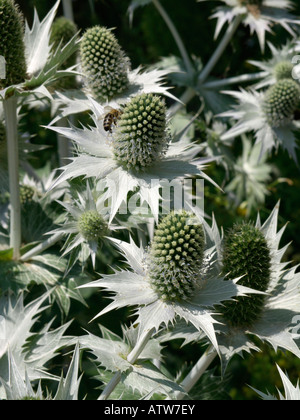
[(141, 133), (12, 43), (176, 256), (246, 254)]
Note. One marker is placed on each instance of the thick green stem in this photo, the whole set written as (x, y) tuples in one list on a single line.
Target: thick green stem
[(176, 36), (197, 371), (10, 109), (131, 358), (68, 9)]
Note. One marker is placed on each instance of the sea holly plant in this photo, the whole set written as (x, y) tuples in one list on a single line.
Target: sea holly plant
[(162, 224)]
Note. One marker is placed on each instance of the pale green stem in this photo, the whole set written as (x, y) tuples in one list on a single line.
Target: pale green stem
[(131, 358), (197, 371), (11, 119), (244, 78), (187, 96), (42, 247), (176, 36), (220, 49)]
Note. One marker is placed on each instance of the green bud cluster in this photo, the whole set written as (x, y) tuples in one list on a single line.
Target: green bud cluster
[(281, 101), (62, 31), (246, 253), (176, 256), (104, 63), (12, 46), (141, 138), (92, 226), (283, 70)]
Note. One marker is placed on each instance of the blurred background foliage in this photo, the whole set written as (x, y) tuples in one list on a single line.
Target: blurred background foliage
[(145, 42)]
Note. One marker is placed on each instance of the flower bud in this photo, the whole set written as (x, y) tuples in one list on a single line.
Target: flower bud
[(281, 101), (12, 46), (246, 253), (104, 63), (92, 226), (140, 138), (176, 256), (283, 70)]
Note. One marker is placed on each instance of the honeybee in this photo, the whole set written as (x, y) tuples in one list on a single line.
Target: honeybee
[(110, 117)]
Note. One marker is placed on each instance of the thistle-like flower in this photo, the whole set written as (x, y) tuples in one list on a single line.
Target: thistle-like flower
[(136, 156), (104, 63), (174, 278), (259, 15), (12, 46), (269, 114)]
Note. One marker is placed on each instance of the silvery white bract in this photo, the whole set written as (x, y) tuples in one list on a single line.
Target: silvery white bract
[(17, 388), (291, 392), (259, 17), (95, 159), (250, 116)]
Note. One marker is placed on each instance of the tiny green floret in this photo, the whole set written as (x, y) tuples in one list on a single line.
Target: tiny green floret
[(141, 137), (12, 46), (26, 194), (283, 70), (92, 226), (104, 63), (246, 253), (175, 256), (281, 101)]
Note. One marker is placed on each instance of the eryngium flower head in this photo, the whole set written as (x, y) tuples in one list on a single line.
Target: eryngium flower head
[(92, 226), (281, 102), (246, 253), (62, 31), (12, 45), (283, 70), (141, 136), (176, 256), (104, 63)]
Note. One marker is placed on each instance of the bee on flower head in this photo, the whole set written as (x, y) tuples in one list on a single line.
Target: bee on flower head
[(110, 118)]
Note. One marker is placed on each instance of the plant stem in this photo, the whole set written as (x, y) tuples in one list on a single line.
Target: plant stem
[(42, 247), (220, 49), (176, 36), (10, 109), (131, 358), (244, 78), (197, 371)]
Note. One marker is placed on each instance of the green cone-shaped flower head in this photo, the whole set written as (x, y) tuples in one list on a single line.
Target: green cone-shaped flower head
[(12, 43), (176, 256), (283, 70), (246, 253), (104, 63), (26, 194), (281, 101), (141, 136), (92, 226), (62, 31)]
